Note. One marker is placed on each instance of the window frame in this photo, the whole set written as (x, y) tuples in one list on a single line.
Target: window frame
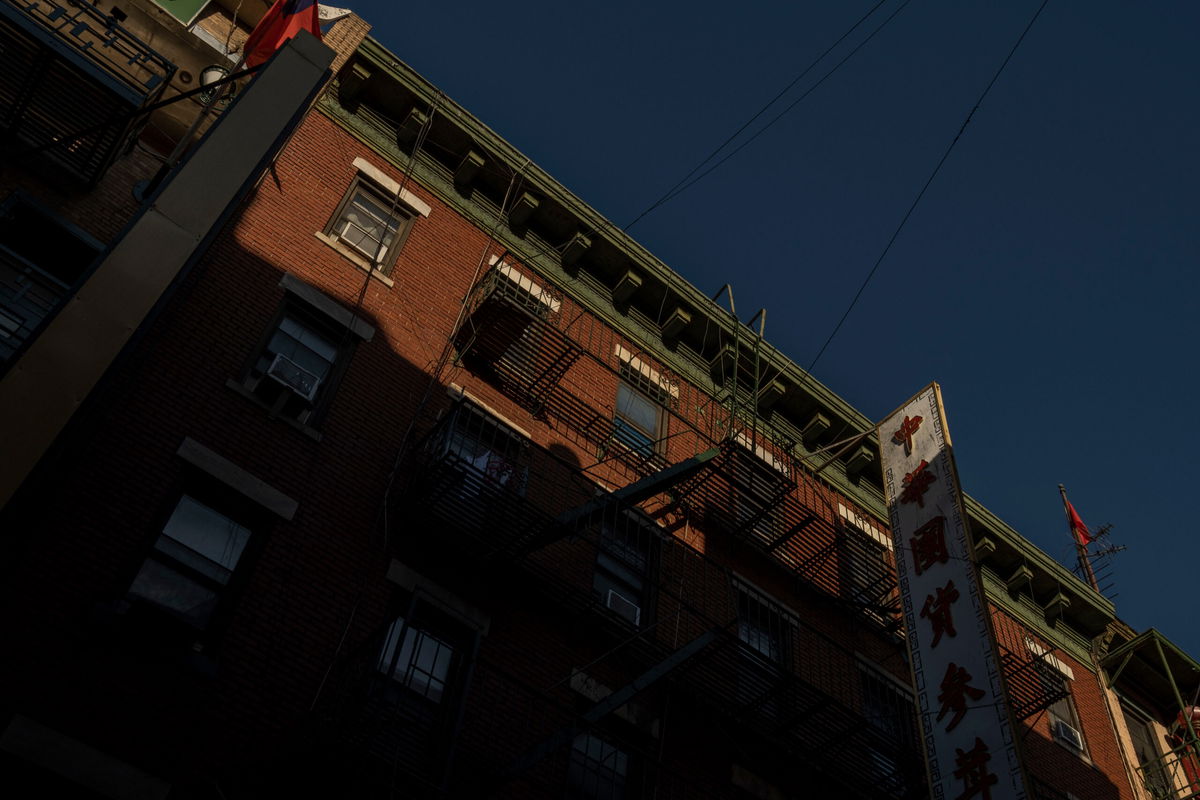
[(640, 387), (310, 413), (779, 618), (241, 510), (465, 419), (589, 778), (890, 710), (1065, 711), (405, 217), (613, 545)]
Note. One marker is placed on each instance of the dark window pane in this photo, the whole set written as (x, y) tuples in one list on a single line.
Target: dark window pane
[(162, 585)]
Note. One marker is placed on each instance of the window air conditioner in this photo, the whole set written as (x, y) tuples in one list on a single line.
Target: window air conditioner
[(294, 376), (623, 606), (1066, 734)]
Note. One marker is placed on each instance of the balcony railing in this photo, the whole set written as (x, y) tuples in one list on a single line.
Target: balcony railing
[(1033, 685), (1173, 776), (101, 40), (68, 68), (27, 296), (491, 494)]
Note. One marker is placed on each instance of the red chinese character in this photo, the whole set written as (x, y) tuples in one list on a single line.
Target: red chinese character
[(972, 769), (929, 545), (937, 611), (956, 690), (916, 483), (904, 434)]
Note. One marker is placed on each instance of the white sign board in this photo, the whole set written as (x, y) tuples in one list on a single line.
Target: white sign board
[(970, 749)]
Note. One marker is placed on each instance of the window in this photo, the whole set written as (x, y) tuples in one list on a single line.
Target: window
[(759, 487), (623, 562), (1064, 720), (639, 420), (417, 659), (492, 455), (41, 258), (1149, 754), (868, 578), (762, 630), (597, 770), (192, 562), (420, 679), (298, 364), (371, 224), (760, 626), (640, 416), (890, 712)]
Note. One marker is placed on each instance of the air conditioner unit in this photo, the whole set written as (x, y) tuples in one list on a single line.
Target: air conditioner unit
[(1066, 734), (623, 606), (294, 376)]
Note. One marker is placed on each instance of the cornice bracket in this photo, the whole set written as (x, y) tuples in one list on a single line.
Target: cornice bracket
[(468, 168), (574, 250), (406, 134), (675, 323), (521, 212)]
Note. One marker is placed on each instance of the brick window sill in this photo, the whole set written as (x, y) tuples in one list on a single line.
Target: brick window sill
[(238, 389), (354, 258)]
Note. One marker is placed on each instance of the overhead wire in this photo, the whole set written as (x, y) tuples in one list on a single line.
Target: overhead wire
[(925, 187), (668, 194), (680, 189)]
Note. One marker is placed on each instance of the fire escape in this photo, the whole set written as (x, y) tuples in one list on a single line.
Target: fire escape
[(670, 618), (674, 621), (68, 69)]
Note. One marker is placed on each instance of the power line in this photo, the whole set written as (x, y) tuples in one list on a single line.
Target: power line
[(670, 192), (675, 193), (924, 188)]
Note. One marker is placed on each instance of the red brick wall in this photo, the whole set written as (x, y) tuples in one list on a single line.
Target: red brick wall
[(1101, 773), (319, 579)]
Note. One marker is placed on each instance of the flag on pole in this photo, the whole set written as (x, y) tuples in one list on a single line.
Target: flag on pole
[(1082, 534), (283, 20)]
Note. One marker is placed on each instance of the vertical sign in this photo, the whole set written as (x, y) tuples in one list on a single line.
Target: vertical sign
[(970, 749)]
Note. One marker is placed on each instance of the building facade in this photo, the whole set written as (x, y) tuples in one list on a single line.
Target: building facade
[(425, 481)]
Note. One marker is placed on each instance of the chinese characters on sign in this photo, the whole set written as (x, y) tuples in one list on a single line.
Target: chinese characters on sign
[(968, 736)]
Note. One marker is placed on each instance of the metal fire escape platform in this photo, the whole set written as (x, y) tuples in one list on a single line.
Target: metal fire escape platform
[(67, 68)]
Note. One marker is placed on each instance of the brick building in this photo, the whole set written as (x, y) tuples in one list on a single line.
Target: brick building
[(421, 480)]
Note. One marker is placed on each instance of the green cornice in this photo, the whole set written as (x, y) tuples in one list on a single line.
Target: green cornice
[(531, 251), (435, 179), (534, 176)]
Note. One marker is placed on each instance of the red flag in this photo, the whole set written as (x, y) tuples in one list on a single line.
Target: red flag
[(282, 21), (1082, 534)]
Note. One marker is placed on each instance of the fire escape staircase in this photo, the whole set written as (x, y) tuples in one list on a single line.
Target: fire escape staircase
[(490, 515), (1033, 685)]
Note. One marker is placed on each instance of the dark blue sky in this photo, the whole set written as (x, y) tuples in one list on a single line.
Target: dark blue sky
[(1048, 279)]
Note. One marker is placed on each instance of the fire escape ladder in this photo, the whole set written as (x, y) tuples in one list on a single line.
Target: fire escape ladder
[(1033, 685), (509, 336)]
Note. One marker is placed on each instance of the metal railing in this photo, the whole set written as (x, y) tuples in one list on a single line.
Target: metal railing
[(1173, 776), (491, 494), (27, 296), (100, 39)]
